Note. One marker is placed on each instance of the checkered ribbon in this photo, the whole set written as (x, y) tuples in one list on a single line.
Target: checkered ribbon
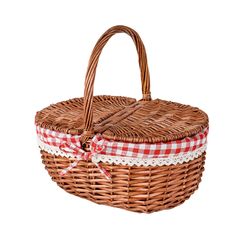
[(81, 154)]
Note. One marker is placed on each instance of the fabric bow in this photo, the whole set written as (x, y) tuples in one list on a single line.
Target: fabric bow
[(71, 148)]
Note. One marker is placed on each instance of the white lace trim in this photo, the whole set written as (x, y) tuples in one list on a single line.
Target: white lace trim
[(130, 161)]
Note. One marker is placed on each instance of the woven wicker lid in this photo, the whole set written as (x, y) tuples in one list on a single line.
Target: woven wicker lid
[(68, 116), (125, 119), (157, 121), (122, 118)]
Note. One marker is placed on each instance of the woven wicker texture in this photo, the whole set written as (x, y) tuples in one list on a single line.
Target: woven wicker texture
[(68, 116), (140, 189), (123, 119)]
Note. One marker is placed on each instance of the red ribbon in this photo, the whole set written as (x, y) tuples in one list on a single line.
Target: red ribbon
[(81, 154)]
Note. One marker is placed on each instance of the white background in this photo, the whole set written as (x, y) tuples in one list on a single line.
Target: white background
[(44, 49)]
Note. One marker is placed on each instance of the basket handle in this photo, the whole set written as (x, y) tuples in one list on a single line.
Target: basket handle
[(91, 71)]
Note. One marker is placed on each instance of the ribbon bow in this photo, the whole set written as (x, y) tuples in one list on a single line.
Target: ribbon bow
[(69, 147)]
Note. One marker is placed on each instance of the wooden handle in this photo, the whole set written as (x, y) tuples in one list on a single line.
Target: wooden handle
[(91, 72)]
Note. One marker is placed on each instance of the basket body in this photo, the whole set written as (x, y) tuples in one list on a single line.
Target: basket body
[(140, 155), (139, 189)]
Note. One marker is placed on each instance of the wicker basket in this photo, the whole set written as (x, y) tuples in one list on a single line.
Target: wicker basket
[(143, 156)]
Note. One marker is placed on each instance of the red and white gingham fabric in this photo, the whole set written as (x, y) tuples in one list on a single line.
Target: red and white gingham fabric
[(113, 148), (56, 139)]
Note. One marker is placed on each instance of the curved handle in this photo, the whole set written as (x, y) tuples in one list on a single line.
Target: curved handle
[(91, 71)]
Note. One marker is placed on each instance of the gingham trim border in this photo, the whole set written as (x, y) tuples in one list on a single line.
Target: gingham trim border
[(171, 159), (151, 150), (116, 148)]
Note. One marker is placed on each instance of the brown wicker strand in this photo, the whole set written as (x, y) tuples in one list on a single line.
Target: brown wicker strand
[(91, 71)]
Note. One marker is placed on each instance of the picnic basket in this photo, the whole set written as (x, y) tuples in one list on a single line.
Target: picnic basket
[(140, 155)]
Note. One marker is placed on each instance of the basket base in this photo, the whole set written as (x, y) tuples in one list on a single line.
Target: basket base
[(138, 189)]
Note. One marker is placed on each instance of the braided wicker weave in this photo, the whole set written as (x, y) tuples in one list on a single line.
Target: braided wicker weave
[(123, 119)]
